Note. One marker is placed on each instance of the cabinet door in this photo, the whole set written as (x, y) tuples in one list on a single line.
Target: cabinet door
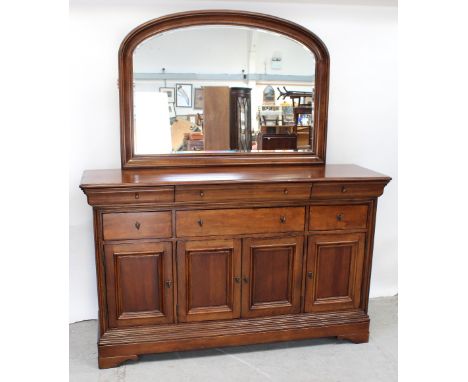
[(139, 284), (208, 280), (271, 276), (334, 272)]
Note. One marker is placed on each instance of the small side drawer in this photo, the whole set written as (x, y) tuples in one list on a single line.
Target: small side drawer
[(134, 196), (239, 221), (344, 190), (137, 225), (282, 191), (338, 217)]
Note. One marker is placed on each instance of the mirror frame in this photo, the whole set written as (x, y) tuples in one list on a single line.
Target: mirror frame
[(231, 18)]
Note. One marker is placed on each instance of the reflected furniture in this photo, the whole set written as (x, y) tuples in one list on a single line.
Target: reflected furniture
[(277, 141), (241, 123), (216, 108), (205, 250)]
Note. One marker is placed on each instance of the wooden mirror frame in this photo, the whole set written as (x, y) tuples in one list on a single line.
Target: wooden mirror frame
[(222, 17)]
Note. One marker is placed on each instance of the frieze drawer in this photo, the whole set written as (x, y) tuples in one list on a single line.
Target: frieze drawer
[(239, 221), (209, 193), (346, 190), (137, 225), (338, 217), (137, 196)]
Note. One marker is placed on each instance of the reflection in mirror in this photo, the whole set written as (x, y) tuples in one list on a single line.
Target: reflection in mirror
[(222, 89)]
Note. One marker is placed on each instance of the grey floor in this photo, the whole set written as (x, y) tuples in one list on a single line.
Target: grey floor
[(323, 360)]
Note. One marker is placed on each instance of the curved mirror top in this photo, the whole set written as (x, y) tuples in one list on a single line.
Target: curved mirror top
[(220, 88)]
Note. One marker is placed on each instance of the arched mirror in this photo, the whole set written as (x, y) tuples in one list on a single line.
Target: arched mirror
[(222, 88)]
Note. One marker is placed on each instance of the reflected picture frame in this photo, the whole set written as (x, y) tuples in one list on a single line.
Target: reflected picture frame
[(184, 95), (198, 98)]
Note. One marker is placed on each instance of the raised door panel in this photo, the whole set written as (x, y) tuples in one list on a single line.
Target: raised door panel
[(208, 280), (139, 284), (271, 276), (334, 272)]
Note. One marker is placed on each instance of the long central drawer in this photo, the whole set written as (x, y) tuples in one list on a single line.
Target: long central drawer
[(239, 221)]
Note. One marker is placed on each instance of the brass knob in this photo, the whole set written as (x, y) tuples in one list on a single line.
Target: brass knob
[(283, 219), (137, 225), (286, 191), (344, 189), (200, 222), (202, 194), (246, 279), (237, 279), (137, 195), (310, 275), (340, 217), (168, 283)]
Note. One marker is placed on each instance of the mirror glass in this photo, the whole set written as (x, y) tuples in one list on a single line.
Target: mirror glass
[(217, 88)]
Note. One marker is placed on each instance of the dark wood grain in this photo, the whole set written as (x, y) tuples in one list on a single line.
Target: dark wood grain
[(95, 179), (271, 255), (272, 275), (136, 284), (102, 197), (221, 193), (137, 225), (352, 325), (207, 289), (334, 272), (239, 221), (338, 217)]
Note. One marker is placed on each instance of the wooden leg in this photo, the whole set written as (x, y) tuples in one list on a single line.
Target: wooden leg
[(357, 338), (107, 362)]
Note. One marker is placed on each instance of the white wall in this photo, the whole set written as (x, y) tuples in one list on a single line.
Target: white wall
[(362, 126)]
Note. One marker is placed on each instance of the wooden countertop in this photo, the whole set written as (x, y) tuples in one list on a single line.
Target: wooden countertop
[(226, 175)]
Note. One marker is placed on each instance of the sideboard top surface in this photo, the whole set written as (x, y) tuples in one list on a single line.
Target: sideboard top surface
[(227, 175)]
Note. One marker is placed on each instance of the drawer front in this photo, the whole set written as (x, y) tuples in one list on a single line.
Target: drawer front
[(108, 197), (344, 190), (137, 225), (242, 192), (239, 221), (338, 217)]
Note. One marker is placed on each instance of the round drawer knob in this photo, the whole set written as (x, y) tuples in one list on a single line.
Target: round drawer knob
[(137, 225), (286, 191), (340, 217), (344, 189), (200, 222), (137, 195), (202, 194), (283, 219)]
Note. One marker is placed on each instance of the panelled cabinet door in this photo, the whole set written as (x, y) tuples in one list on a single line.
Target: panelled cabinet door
[(139, 284), (271, 276), (208, 280), (334, 272)]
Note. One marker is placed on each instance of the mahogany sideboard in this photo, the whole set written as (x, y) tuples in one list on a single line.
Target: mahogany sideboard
[(219, 256)]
